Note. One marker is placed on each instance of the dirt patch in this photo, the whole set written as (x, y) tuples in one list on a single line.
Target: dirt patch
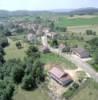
[(51, 65)]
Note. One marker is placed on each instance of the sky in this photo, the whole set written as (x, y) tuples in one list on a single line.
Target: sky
[(46, 4)]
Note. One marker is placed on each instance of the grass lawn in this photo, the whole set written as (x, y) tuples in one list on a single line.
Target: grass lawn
[(53, 58), (12, 51), (18, 37), (89, 92), (64, 21), (30, 95)]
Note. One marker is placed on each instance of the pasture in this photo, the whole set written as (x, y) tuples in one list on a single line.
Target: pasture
[(13, 52), (83, 28), (56, 59), (88, 92), (66, 21), (38, 94)]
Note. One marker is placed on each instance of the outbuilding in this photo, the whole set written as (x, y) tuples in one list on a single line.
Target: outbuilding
[(81, 52), (60, 76)]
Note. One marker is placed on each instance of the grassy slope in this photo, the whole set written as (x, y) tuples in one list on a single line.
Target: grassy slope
[(31, 95), (13, 52), (53, 58), (90, 92), (64, 21)]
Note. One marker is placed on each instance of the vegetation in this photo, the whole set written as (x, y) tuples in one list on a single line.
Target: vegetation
[(94, 45), (87, 92), (29, 72), (53, 58), (71, 91), (64, 21)]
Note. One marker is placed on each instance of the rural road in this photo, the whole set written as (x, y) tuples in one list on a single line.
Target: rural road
[(78, 62), (75, 60)]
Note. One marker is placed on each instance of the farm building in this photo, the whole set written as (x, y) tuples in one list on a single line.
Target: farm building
[(60, 76), (81, 52)]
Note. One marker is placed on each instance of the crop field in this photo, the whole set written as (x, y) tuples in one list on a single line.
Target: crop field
[(83, 28), (64, 21)]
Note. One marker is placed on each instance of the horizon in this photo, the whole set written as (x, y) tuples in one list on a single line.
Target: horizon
[(71, 9), (42, 5)]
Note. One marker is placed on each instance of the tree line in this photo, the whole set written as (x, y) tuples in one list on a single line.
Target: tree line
[(29, 73)]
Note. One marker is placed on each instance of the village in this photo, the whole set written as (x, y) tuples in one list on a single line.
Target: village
[(50, 62)]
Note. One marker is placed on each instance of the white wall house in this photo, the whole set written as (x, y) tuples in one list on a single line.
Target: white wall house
[(30, 37), (44, 41)]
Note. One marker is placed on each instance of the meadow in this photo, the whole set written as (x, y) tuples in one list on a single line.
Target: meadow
[(38, 94), (56, 59), (65, 21), (88, 92)]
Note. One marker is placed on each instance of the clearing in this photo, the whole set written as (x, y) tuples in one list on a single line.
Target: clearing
[(13, 52), (31, 95)]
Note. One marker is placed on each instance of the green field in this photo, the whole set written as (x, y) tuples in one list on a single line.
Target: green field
[(31, 95), (13, 52), (64, 21), (89, 92), (53, 58)]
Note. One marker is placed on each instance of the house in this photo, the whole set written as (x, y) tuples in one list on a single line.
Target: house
[(60, 76), (44, 41), (81, 52), (62, 47), (46, 30), (51, 35), (31, 37)]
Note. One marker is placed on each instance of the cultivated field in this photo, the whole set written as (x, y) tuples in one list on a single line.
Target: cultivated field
[(66, 21), (83, 28)]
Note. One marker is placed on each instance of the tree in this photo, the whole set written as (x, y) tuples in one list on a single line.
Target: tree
[(2, 50), (17, 73), (28, 82), (54, 43), (38, 20), (1, 59), (18, 45), (7, 33), (33, 52), (52, 26), (95, 56)]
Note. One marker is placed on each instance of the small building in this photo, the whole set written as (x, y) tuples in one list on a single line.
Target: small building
[(31, 37), (62, 47), (44, 41), (81, 52), (52, 35), (60, 76)]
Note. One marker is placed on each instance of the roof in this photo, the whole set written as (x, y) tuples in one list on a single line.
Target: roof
[(61, 45), (57, 72), (81, 51)]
